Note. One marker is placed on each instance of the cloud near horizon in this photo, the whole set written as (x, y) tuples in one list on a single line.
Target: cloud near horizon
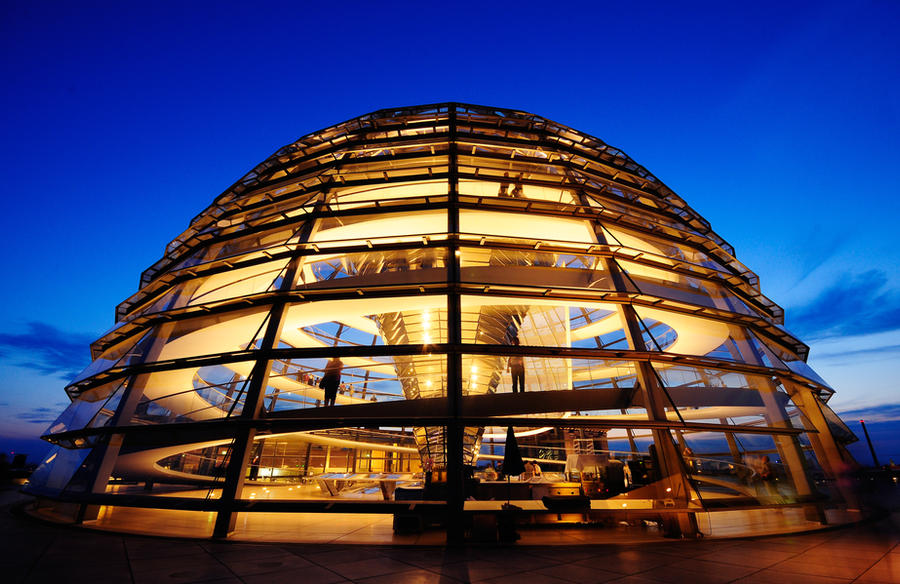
[(872, 414), (47, 349), (857, 305), (857, 355), (39, 415)]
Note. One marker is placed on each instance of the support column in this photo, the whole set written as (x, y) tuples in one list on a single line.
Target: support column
[(674, 483), (732, 444), (825, 447), (454, 433), (789, 449), (242, 445), (788, 446), (127, 405)]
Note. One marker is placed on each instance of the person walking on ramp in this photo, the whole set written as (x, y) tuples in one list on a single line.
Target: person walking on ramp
[(331, 380), (516, 365)]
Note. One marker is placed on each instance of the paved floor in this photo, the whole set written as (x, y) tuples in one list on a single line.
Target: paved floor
[(36, 552)]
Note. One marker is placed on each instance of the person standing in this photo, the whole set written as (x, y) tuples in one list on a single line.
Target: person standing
[(767, 476), (517, 192), (331, 380), (504, 186), (516, 365)]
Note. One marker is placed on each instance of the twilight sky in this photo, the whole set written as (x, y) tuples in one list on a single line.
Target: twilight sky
[(778, 122)]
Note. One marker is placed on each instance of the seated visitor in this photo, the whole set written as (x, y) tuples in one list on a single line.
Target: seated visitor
[(532, 470)]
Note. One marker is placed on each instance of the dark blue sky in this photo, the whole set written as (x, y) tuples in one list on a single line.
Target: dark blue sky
[(778, 122)]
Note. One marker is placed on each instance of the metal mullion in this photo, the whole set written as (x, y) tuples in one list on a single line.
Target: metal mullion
[(454, 429), (670, 459), (253, 399)]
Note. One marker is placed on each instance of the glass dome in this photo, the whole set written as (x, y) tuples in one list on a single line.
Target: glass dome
[(358, 321)]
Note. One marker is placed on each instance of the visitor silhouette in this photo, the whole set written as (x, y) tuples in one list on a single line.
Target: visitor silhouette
[(331, 379), (516, 365)]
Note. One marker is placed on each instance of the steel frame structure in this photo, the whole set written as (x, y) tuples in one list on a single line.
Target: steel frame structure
[(400, 205)]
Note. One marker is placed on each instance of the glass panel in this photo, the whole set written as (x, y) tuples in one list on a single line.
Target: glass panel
[(597, 469), (676, 286), (380, 228), (57, 469), (86, 406), (512, 187), (123, 353), (790, 359), (693, 335), (549, 323), (207, 462), (741, 469), (518, 172), (663, 247), (533, 268), (225, 285), (350, 463), (191, 337), (194, 394), (240, 245), (703, 394), (205, 335), (366, 321), (376, 268), (484, 374), (294, 206), (341, 199), (619, 211), (380, 170), (371, 464), (298, 383), (527, 225), (167, 466)]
